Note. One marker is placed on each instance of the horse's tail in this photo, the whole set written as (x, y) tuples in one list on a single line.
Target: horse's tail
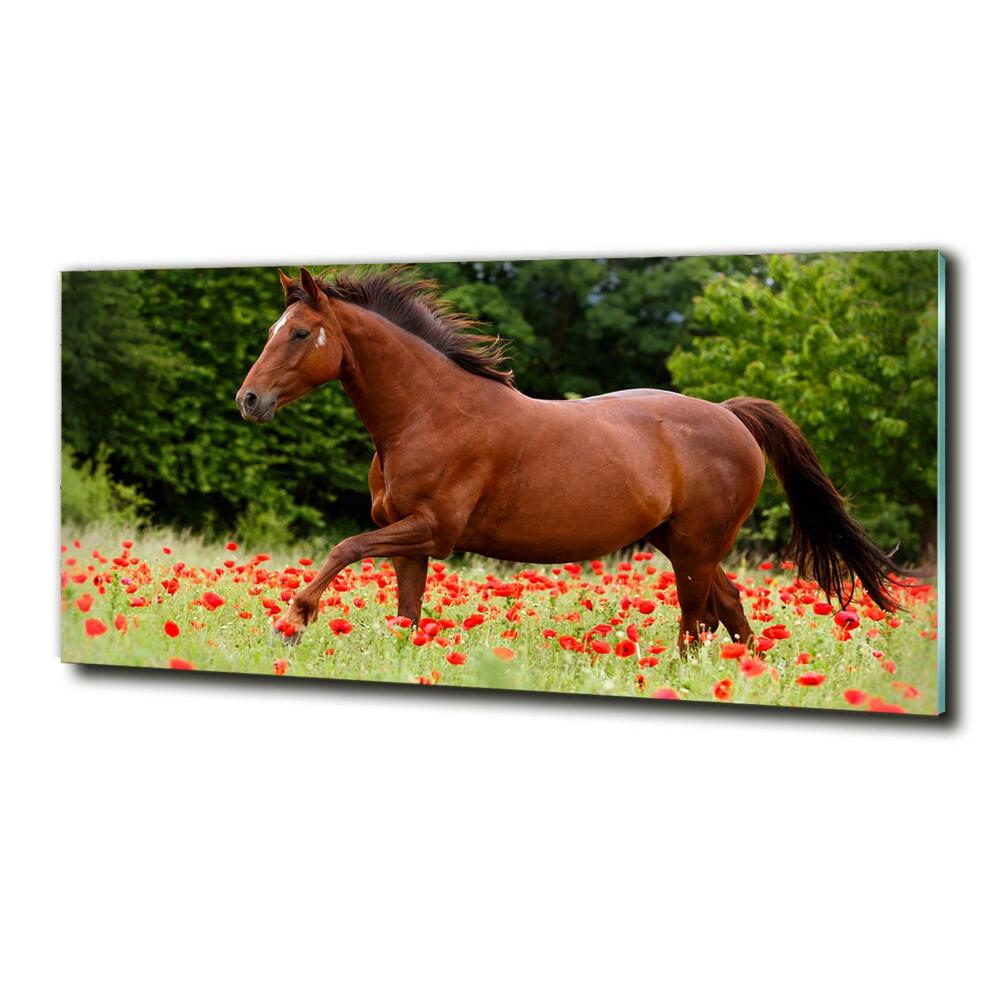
[(827, 543)]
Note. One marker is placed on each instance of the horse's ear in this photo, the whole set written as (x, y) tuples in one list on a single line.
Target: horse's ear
[(309, 285), (286, 282)]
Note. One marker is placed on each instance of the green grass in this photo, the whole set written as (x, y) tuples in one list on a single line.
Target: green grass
[(222, 640)]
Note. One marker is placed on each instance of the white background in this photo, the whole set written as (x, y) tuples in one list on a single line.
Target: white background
[(184, 836)]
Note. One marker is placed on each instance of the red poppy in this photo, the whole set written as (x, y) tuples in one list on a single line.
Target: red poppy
[(763, 644), (280, 666), (855, 697), (212, 600), (600, 646), (847, 619), (667, 694), (172, 629), (777, 632), (340, 626), (804, 658), (626, 647), (811, 679), (94, 627), (84, 603), (456, 659), (121, 623), (503, 653), (178, 664), (472, 621), (878, 705), (401, 621), (646, 607), (821, 608), (750, 666), (724, 689), (232, 546), (733, 650)]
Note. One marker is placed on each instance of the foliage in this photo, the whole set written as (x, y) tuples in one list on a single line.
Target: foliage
[(583, 327), (846, 344), (90, 495)]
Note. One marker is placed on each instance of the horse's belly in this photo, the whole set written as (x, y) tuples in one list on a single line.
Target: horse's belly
[(546, 551), (565, 523)]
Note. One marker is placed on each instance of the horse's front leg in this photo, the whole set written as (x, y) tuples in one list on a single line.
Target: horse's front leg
[(411, 579), (416, 536)]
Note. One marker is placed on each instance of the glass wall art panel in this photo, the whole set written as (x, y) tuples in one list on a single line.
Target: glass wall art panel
[(705, 478)]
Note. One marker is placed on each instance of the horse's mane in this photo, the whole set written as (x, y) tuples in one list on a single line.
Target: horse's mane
[(413, 303)]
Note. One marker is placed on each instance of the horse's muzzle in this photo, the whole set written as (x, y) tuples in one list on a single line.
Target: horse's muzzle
[(256, 408)]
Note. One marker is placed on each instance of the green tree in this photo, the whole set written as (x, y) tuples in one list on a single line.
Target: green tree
[(113, 364), (847, 345)]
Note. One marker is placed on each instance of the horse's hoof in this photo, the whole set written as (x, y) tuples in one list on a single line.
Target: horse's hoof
[(290, 637)]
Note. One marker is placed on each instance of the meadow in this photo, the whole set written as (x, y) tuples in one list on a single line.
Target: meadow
[(608, 627)]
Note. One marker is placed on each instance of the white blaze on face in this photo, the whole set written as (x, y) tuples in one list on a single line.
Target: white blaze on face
[(283, 319), (321, 339)]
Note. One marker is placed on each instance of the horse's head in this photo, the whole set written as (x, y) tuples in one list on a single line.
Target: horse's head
[(303, 350)]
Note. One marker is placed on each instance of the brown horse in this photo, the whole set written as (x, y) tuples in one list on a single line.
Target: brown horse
[(463, 461)]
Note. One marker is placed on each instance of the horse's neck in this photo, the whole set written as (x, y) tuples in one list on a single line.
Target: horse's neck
[(390, 375)]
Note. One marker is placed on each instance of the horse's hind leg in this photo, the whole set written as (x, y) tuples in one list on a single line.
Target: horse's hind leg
[(729, 608), (696, 572)]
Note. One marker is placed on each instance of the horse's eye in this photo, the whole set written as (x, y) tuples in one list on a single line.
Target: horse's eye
[(300, 335)]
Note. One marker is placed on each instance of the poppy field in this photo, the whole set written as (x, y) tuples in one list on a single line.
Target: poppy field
[(606, 627)]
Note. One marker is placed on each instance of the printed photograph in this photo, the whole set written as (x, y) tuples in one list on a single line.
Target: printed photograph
[(705, 478)]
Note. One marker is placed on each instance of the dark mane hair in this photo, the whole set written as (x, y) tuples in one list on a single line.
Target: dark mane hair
[(414, 303)]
